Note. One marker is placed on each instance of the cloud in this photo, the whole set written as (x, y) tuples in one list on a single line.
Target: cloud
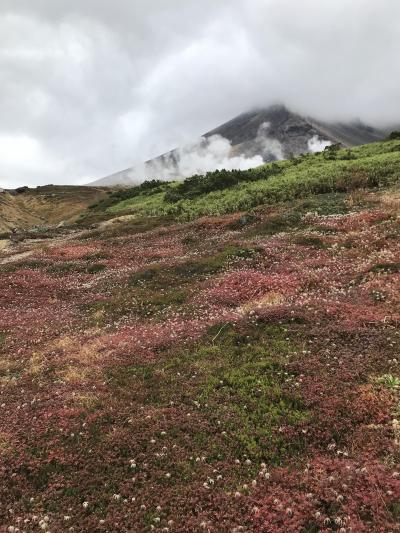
[(100, 85)]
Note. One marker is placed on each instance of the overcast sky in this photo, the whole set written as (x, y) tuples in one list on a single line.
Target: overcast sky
[(89, 87)]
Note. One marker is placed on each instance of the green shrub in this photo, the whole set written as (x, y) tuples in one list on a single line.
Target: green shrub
[(94, 269), (394, 135)]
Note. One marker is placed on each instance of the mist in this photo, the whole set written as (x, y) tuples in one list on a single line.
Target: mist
[(90, 87), (204, 155)]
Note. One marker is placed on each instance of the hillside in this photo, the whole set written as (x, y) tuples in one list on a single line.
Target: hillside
[(223, 192), (218, 354), (272, 133), (43, 206)]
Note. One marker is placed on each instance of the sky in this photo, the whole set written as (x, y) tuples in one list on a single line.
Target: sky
[(90, 87)]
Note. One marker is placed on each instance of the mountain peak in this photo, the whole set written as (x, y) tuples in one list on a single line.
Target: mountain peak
[(253, 137)]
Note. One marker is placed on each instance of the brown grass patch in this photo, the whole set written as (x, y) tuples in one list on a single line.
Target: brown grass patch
[(88, 400), (272, 298), (6, 442)]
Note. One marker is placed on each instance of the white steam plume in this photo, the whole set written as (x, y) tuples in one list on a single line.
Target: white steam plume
[(271, 149), (315, 144), (205, 155)]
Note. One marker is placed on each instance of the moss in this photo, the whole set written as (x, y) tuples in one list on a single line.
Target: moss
[(94, 269), (236, 377), (22, 265), (96, 256), (31, 265), (326, 204), (309, 240), (190, 240), (390, 268), (160, 276), (3, 336), (394, 509), (65, 268), (145, 275), (168, 298), (214, 263), (245, 388)]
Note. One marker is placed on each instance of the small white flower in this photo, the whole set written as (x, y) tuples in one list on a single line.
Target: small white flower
[(85, 505)]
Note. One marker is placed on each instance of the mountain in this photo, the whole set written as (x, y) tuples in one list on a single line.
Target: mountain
[(271, 133)]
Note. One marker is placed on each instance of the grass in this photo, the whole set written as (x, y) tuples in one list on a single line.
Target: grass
[(370, 166), (389, 381)]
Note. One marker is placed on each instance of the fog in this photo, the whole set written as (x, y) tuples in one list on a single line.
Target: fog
[(90, 87)]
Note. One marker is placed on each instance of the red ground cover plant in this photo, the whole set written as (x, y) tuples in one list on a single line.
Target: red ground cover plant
[(328, 495), (124, 407)]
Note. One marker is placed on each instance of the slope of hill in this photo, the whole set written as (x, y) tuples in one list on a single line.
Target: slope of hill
[(220, 192), (235, 372), (272, 133), (45, 206)]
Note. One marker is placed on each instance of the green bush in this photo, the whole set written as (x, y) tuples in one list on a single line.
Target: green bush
[(394, 135), (218, 180)]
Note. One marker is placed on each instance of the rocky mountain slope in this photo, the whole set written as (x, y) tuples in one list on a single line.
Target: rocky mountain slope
[(272, 133)]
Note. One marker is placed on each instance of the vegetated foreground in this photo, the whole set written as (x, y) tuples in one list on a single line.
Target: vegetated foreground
[(234, 373)]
